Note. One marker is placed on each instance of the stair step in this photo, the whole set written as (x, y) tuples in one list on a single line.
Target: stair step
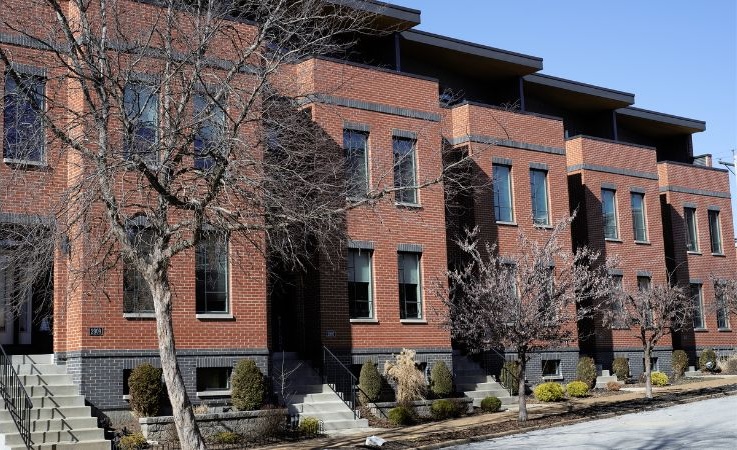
[(335, 425), (45, 380), (99, 444), (47, 358), (310, 408), (486, 386), (307, 389), (65, 412), (315, 398), (73, 423), (52, 437), (52, 391), (330, 416), (39, 369), (54, 402)]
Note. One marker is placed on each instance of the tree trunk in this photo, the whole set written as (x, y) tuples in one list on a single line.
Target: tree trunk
[(187, 429), (522, 364), (648, 372)]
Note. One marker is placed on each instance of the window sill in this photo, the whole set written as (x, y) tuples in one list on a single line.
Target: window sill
[(643, 243), (700, 330), (126, 397), (506, 224), (552, 377), (215, 316), (690, 252), (724, 330), (542, 226), (141, 315), (23, 162), (220, 393), (408, 205), (721, 255), (617, 240), (413, 321), (367, 320)]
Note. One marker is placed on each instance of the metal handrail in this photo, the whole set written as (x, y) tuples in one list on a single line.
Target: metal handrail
[(503, 370), (17, 401), (340, 379)]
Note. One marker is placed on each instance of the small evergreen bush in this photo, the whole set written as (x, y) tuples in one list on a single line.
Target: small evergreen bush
[(491, 404), (444, 409), (441, 380), (508, 376), (577, 389), (133, 441), (549, 392), (621, 368), (247, 386), (145, 388), (679, 362), (613, 386), (369, 382), (309, 426), (401, 415), (226, 438), (659, 379), (586, 371), (707, 355)]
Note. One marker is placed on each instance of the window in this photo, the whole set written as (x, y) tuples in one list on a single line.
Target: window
[(698, 306), (211, 273), (22, 118), (620, 319), (136, 294), (539, 189), (722, 311), (208, 139), (510, 275), (503, 211), (404, 170), (410, 299), (142, 113), (551, 368), (359, 284), (692, 239), (609, 213), (638, 216), (715, 232), (643, 284), (213, 378), (355, 144)]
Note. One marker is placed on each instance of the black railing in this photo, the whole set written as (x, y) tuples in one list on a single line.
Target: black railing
[(340, 379), (508, 380), (17, 401)]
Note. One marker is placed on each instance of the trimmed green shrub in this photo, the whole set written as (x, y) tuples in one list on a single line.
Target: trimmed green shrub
[(706, 356), (441, 380), (508, 376), (586, 371), (577, 389), (679, 362), (401, 415), (309, 425), (613, 386), (659, 378), (133, 441), (549, 392), (247, 386), (226, 438), (621, 368), (145, 388), (369, 382), (444, 409), (491, 404)]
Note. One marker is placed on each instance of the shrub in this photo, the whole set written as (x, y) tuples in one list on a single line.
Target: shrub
[(145, 390), (659, 379), (621, 368), (441, 380), (679, 362), (729, 366), (613, 386), (401, 415), (133, 441), (369, 382), (707, 356), (586, 371), (549, 392), (309, 425), (408, 378), (444, 409), (491, 404), (247, 386), (509, 376), (226, 438), (577, 389)]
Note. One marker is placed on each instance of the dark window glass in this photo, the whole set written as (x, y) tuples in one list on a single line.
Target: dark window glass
[(208, 139), (643, 284), (355, 144), (142, 113), (609, 213), (213, 378), (211, 273), (698, 306), (722, 312), (136, 293), (404, 170), (22, 118), (503, 211), (359, 284), (551, 367), (410, 302), (692, 240), (638, 217), (715, 232), (539, 190)]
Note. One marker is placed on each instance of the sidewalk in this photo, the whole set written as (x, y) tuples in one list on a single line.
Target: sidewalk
[(358, 437)]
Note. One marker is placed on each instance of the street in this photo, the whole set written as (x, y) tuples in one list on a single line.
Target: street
[(709, 424)]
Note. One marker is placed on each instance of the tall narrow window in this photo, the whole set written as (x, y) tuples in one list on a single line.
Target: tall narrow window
[(210, 124), (643, 285), (503, 211), (355, 144), (405, 178), (617, 303), (722, 311), (410, 297), (715, 232), (698, 306), (638, 217), (359, 284), (22, 119), (692, 239), (142, 113), (539, 190), (609, 213), (136, 294), (211, 273)]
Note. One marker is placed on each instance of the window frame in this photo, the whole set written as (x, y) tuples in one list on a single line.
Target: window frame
[(130, 139), (614, 216), (557, 366), (697, 300), (401, 163), (692, 229), (131, 306), (714, 222), (35, 88), (722, 312), (356, 189), (534, 195), (497, 194), (201, 103), (401, 257), (205, 239), (219, 390), (641, 288), (643, 216), (370, 302)]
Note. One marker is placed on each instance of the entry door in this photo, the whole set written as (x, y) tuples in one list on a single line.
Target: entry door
[(23, 313)]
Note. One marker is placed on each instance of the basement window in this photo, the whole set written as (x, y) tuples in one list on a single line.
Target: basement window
[(551, 368), (213, 380)]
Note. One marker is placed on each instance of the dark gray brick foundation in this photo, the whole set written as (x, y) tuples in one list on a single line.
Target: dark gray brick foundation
[(636, 360)]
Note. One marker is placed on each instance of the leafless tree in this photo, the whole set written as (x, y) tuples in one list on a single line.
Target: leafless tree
[(526, 301), (726, 296)]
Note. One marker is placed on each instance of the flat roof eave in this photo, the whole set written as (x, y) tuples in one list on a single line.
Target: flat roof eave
[(399, 17), (625, 98), (683, 123)]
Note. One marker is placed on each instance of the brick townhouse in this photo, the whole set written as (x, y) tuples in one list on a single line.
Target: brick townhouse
[(550, 145)]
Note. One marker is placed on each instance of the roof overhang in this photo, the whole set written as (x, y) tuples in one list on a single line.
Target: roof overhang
[(658, 124), (574, 95), (388, 16)]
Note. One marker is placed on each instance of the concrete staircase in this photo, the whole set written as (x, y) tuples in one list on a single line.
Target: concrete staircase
[(59, 418), (306, 395), (471, 379)]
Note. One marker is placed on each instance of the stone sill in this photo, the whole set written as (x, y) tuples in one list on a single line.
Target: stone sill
[(552, 377), (643, 243), (214, 393), (144, 315), (216, 316), (413, 321), (368, 321), (615, 240), (506, 224), (689, 252)]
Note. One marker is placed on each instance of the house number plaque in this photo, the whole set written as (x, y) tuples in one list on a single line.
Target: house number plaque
[(97, 331)]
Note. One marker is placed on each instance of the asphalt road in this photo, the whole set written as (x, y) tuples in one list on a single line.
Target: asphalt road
[(709, 424)]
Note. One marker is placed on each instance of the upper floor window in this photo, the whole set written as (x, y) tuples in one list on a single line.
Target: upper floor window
[(211, 273), (22, 118), (142, 113), (609, 213), (405, 176), (539, 190), (639, 227), (410, 296), (692, 236), (698, 306), (643, 285), (715, 232), (359, 284), (208, 138), (355, 144), (137, 296), (503, 210), (722, 311)]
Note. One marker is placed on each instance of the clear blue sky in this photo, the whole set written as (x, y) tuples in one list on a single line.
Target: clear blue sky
[(677, 56)]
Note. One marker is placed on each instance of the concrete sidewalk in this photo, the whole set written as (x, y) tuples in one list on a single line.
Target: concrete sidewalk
[(358, 437)]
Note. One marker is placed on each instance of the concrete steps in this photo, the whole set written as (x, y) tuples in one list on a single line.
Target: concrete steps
[(471, 379), (59, 418)]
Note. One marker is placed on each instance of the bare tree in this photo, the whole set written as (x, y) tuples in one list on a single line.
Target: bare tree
[(650, 313), (726, 297), (527, 301)]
